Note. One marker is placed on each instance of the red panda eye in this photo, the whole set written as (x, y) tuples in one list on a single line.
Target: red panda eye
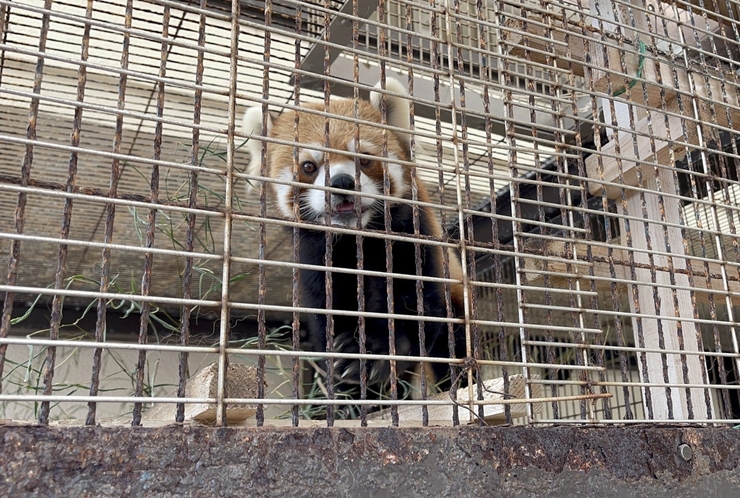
[(365, 162), (309, 167)]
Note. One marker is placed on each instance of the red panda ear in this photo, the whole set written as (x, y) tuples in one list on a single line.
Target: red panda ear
[(252, 124), (397, 108)]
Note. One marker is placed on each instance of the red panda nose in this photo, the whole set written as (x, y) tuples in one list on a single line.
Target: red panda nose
[(343, 181)]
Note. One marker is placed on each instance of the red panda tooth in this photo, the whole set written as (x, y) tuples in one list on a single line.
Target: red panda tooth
[(345, 207)]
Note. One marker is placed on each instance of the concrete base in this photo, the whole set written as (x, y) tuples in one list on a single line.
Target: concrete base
[(467, 461)]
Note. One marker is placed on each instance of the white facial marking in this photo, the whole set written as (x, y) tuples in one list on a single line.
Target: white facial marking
[(397, 180), (316, 198), (284, 194), (315, 155), (366, 147), (342, 167)]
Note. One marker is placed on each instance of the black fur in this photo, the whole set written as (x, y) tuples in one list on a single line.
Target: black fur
[(344, 297)]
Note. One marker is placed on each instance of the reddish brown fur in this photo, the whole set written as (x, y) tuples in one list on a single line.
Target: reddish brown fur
[(311, 130)]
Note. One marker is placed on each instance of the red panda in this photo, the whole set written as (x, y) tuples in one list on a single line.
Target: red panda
[(345, 206)]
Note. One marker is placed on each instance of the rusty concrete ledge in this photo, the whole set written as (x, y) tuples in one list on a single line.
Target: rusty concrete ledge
[(200, 461)]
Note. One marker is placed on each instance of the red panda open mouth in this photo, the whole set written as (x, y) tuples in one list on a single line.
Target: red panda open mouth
[(345, 207)]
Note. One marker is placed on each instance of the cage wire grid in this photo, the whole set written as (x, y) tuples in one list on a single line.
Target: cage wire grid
[(580, 158)]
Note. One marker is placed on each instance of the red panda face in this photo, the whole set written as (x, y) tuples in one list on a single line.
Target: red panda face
[(338, 169)]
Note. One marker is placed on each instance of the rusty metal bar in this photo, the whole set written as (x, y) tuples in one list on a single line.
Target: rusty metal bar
[(328, 239), (187, 275), (504, 77), (423, 372), (12, 275), (361, 323), (223, 359), (56, 310), (295, 273), (262, 332), (436, 54), (110, 215), (146, 280), (467, 299)]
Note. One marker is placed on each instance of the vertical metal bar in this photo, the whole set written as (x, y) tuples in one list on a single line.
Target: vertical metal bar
[(639, 334), (223, 360), (459, 174), (664, 205), (329, 246), (568, 219), (296, 324), (187, 277), (730, 214), (361, 326), (667, 242), (408, 19), (506, 85), (628, 235), (115, 176), (566, 200), (715, 217), (20, 210), (497, 276), (728, 299), (650, 244), (262, 244), (146, 278), (57, 301), (437, 60), (382, 51), (474, 374), (4, 28), (549, 350)]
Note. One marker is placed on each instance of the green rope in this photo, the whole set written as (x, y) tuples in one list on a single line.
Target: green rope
[(640, 67)]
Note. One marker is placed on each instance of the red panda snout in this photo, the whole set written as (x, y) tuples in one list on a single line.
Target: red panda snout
[(343, 204)]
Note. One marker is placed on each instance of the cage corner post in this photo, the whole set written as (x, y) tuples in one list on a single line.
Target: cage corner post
[(639, 158)]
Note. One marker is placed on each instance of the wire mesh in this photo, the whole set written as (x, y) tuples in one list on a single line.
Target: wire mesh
[(564, 249)]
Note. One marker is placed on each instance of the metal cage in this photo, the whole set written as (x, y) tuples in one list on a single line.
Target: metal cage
[(580, 159)]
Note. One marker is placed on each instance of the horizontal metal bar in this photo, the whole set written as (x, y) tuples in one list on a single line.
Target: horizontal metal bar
[(103, 245), (27, 341), (45, 291), (554, 290), (132, 346), (563, 421), (376, 234), (536, 326), (160, 206), (127, 158), (642, 314), (277, 401), (113, 110), (115, 70), (286, 401), (627, 349)]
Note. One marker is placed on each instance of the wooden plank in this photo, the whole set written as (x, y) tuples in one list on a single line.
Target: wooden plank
[(667, 82), (492, 391), (558, 270), (661, 301), (241, 382), (545, 47), (649, 236), (650, 142)]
